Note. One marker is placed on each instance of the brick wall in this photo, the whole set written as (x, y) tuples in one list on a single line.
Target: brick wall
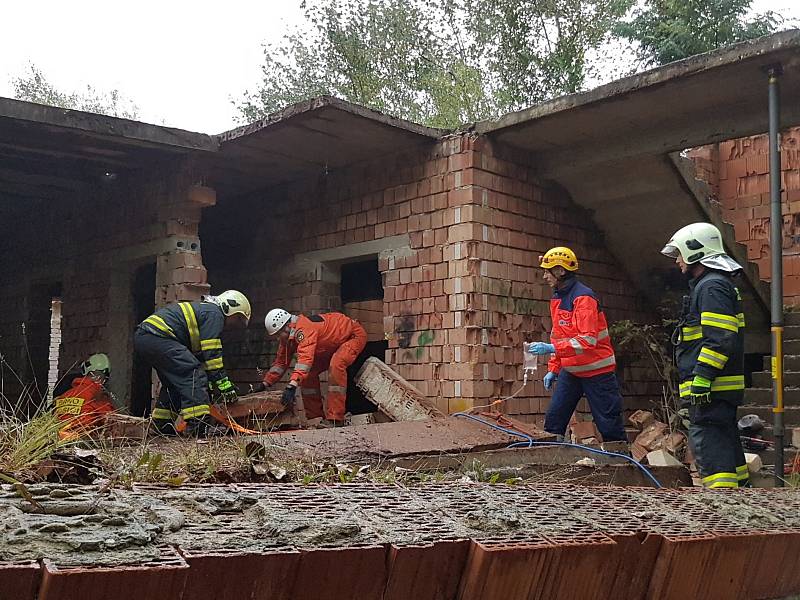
[(738, 174), (89, 247), (463, 224)]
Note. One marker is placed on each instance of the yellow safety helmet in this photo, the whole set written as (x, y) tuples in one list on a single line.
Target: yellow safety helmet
[(559, 257)]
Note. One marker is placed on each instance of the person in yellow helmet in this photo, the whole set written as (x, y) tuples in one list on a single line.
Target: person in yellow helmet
[(582, 359)]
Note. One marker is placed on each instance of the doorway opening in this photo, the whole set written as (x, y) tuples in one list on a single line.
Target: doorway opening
[(143, 290), (362, 299)]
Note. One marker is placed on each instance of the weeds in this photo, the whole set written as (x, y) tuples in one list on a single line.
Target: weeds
[(25, 443), (648, 343)]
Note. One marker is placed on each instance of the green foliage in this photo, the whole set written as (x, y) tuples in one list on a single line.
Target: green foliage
[(34, 87), (537, 50), (670, 30), (437, 62)]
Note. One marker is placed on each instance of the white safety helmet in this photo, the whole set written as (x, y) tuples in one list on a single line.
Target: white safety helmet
[(232, 302), (96, 362), (276, 319), (700, 243)]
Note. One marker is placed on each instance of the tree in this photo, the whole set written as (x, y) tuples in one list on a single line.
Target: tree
[(438, 62), (670, 30), (34, 87), (537, 50)]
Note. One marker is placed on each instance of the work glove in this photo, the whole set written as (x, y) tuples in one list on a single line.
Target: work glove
[(700, 392), (549, 380), (541, 348), (259, 387), (227, 391), (287, 399)]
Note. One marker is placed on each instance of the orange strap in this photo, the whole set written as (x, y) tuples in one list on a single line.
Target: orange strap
[(226, 419)]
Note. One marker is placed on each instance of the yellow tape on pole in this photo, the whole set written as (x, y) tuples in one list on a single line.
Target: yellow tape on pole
[(777, 368)]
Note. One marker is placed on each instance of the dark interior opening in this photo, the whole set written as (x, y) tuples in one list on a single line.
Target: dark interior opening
[(361, 282), (144, 294)]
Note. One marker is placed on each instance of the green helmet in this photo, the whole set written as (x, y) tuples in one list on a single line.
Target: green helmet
[(96, 362)]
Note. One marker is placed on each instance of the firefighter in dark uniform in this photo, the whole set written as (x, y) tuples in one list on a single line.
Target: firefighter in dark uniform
[(182, 343), (709, 342)]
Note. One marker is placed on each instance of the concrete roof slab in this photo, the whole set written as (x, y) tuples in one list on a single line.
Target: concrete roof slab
[(707, 98), (55, 120), (309, 138)]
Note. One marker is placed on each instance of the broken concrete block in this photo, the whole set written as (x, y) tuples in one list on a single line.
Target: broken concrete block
[(753, 461), (675, 442), (653, 436), (392, 394), (662, 458), (638, 451), (795, 437), (121, 426), (582, 431), (641, 419)]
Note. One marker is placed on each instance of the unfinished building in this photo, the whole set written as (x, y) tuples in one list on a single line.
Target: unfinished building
[(429, 237)]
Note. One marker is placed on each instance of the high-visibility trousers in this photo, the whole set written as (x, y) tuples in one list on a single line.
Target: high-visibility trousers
[(716, 445), (184, 384)]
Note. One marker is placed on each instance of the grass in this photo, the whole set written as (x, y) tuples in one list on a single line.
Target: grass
[(25, 443)]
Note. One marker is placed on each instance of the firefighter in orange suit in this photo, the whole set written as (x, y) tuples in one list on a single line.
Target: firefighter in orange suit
[(326, 342), (87, 402)]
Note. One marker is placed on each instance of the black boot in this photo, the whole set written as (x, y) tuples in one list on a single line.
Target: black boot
[(165, 427), (205, 426)]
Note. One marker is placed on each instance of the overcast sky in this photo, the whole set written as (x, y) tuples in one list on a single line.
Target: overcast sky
[(179, 61)]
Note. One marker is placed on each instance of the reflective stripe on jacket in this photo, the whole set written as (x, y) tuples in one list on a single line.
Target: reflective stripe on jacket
[(196, 325), (580, 333), (310, 337), (711, 337)]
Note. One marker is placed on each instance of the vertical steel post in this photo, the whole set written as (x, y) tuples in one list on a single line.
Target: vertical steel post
[(776, 250)]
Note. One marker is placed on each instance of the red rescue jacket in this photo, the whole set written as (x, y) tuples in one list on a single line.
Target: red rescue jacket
[(580, 333), (310, 337), (84, 404)]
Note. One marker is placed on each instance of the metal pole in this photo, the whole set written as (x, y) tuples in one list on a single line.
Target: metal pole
[(776, 250)]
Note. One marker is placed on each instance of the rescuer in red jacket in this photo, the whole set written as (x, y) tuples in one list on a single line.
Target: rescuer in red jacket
[(582, 358), (85, 405), (327, 342)]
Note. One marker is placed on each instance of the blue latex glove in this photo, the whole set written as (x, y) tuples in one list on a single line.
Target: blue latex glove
[(549, 380), (541, 348)]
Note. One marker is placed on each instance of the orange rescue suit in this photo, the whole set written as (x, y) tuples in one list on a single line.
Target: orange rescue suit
[(327, 342), (84, 405), (580, 333)]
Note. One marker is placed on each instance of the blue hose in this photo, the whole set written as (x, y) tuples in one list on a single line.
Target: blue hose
[(530, 442)]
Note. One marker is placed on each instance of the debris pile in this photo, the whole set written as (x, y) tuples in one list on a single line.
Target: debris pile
[(655, 442)]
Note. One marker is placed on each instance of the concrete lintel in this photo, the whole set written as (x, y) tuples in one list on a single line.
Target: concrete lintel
[(396, 245), (159, 246)]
